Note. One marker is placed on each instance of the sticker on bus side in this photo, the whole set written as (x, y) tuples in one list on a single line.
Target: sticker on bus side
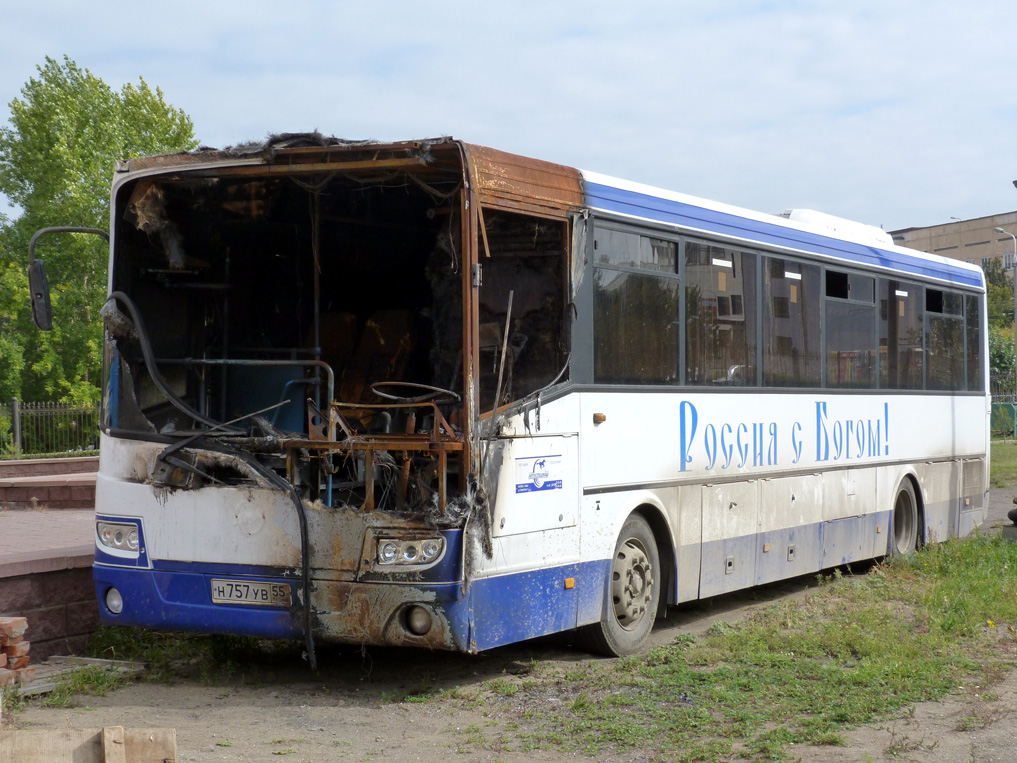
[(537, 473)]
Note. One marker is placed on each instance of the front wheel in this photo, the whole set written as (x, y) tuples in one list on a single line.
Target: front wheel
[(634, 593)]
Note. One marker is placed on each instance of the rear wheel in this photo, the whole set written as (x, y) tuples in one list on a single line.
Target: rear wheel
[(904, 538), (634, 593)]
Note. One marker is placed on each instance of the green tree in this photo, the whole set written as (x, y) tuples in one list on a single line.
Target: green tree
[(57, 158), (1000, 294), (1001, 355)]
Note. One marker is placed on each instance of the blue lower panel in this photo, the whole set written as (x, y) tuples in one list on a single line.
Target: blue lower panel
[(182, 601), (344, 611), (524, 605)]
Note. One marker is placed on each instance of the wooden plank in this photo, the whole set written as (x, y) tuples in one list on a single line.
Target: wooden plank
[(64, 745), (151, 745), (48, 674), (113, 745), (89, 746)]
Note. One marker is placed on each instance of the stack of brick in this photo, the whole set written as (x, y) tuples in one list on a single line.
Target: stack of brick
[(14, 650)]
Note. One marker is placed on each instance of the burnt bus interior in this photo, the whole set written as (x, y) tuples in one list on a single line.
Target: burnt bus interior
[(319, 315)]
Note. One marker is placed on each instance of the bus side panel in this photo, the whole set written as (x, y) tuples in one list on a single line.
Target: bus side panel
[(790, 540), (974, 501), (690, 542), (524, 589), (510, 608), (852, 516), (940, 491), (730, 519)]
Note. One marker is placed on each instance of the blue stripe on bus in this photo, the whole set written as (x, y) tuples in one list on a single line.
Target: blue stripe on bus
[(634, 203)]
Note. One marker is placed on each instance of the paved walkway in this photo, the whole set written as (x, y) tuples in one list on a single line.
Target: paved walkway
[(42, 541)]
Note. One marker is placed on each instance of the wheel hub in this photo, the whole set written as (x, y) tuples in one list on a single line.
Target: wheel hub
[(631, 584)]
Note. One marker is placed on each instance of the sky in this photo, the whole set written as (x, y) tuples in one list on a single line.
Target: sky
[(894, 114)]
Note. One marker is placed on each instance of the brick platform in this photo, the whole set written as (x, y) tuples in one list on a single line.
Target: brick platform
[(36, 467), (46, 576), (50, 491)]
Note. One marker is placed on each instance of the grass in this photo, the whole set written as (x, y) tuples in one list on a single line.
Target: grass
[(94, 680), (858, 649), (169, 656), (1003, 471)]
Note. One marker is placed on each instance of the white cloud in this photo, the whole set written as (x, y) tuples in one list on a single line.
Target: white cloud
[(900, 113)]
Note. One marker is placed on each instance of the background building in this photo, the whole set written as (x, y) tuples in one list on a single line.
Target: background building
[(975, 241)]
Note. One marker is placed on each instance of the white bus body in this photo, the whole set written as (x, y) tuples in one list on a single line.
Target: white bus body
[(593, 398)]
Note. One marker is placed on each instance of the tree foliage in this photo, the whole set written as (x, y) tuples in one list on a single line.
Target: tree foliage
[(1000, 294), (1001, 355), (57, 158)]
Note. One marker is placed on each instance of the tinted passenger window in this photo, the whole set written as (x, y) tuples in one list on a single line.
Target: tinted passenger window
[(791, 337), (973, 330), (720, 315), (944, 340), (901, 326), (635, 309), (850, 330)]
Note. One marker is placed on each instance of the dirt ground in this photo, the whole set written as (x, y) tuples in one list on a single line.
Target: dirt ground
[(349, 711)]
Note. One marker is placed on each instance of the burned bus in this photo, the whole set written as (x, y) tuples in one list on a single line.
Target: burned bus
[(432, 394)]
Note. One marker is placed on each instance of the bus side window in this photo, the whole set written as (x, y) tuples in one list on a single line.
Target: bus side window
[(791, 337), (944, 340), (635, 309), (850, 327), (901, 330), (973, 345), (720, 315)]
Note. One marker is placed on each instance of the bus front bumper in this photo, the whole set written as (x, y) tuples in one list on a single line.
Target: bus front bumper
[(432, 616)]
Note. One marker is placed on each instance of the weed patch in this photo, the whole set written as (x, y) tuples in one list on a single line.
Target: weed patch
[(859, 649), (93, 680)]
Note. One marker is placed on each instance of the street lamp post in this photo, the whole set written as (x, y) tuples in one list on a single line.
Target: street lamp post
[(1008, 233)]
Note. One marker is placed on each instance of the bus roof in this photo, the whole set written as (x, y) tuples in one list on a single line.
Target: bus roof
[(543, 187), (851, 245)]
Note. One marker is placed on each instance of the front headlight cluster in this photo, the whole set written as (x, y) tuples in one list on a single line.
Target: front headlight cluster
[(416, 551), (122, 537)]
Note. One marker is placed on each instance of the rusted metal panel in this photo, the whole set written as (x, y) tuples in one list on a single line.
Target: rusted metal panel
[(516, 182), (284, 154), (500, 179)]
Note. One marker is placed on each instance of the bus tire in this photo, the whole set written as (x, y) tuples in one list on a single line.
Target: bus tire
[(634, 593), (904, 524)]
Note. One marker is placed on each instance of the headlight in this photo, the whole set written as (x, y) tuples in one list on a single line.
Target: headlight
[(431, 548), (122, 537), (388, 552), (417, 551)]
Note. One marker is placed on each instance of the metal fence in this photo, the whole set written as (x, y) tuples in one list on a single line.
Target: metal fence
[(1004, 389), (1004, 406), (41, 429)]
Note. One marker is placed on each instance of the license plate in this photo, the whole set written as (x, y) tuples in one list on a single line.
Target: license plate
[(250, 592)]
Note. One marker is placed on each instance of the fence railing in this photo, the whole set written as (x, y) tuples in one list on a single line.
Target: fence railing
[(1003, 391), (41, 429)]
